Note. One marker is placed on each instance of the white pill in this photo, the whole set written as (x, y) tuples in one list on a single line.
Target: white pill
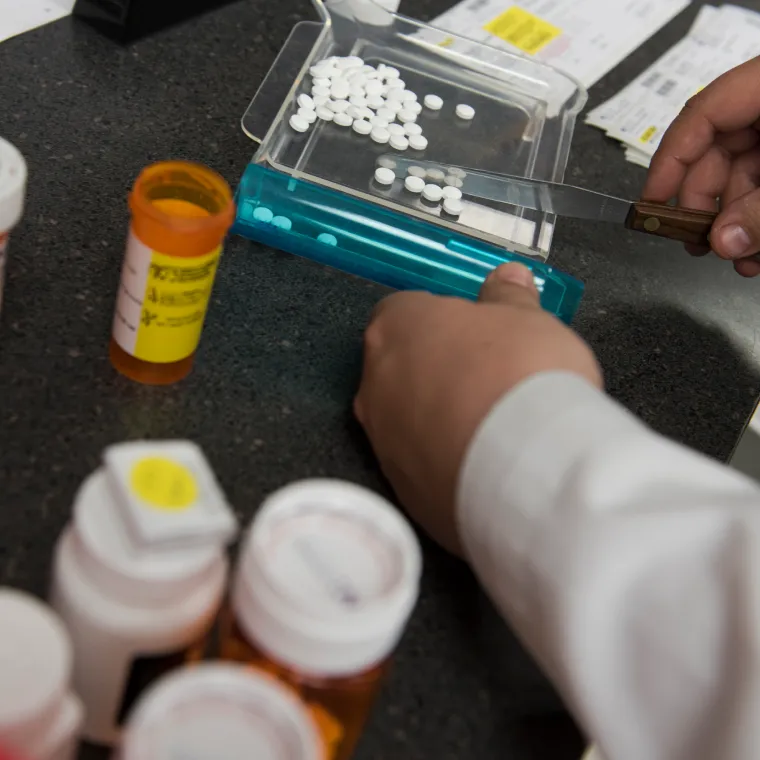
[(453, 181), (319, 91), (384, 176), (308, 114), (305, 101), (362, 127), (321, 100), (376, 121), (387, 162), (355, 60), (414, 107), (405, 115), (380, 135), (298, 123), (387, 114), (414, 184), (324, 113), (344, 63), (432, 193), (407, 96), (355, 112), (433, 102), (373, 88), (390, 73), (396, 129), (452, 192), (435, 175), (320, 71), (417, 171), (412, 129), (463, 111), (358, 100), (394, 106), (369, 70), (340, 91), (368, 114), (457, 172), (399, 142), (338, 106), (418, 142), (356, 91), (321, 82), (375, 101), (452, 206), (342, 119), (396, 85)]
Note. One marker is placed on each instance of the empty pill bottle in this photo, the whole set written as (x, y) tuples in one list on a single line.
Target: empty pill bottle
[(12, 194), (40, 718), (139, 574), (181, 213), (326, 580), (219, 710)]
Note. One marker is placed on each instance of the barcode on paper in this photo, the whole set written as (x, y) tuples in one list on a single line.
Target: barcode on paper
[(651, 80), (476, 5), (667, 87)]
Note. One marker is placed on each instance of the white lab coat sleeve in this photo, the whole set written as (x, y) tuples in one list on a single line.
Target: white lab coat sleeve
[(627, 564)]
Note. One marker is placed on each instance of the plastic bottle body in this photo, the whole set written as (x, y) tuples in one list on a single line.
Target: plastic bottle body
[(40, 717), (121, 646), (340, 704), (181, 213)]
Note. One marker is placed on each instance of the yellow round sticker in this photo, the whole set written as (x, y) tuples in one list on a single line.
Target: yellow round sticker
[(164, 484)]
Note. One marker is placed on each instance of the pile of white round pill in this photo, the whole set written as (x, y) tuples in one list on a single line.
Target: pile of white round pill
[(435, 186), (372, 100)]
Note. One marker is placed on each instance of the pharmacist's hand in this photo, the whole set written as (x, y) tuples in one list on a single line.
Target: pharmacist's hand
[(711, 152), (434, 367)]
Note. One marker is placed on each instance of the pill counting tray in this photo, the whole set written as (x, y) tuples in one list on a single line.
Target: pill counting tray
[(321, 180)]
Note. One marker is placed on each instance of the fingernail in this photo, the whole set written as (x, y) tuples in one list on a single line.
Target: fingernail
[(517, 274), (734, 241)]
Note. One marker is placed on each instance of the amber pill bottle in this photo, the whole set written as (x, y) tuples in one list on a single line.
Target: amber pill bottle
[(327, 578), (181, 213)]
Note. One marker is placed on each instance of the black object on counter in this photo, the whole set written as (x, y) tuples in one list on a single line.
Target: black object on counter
[(128, 20)]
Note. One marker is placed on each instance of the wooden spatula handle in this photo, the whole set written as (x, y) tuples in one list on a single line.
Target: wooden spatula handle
[(685, 224)]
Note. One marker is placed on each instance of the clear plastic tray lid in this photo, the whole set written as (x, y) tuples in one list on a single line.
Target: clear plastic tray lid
[(524, 117)]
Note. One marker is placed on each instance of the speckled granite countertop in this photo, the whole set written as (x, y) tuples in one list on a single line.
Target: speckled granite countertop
[(269, 399)]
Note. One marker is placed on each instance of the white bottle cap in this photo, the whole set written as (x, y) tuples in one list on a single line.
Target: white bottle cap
[(219, 710), (152, 519), (35, 668), (328, 577), (12, 186)]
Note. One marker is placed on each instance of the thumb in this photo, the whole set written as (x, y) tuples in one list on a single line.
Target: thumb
[(736, 232), (510, 284)]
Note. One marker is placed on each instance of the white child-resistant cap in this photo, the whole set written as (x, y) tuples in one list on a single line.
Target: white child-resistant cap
[(35, 668), (328, 577), (12, 186), (220, 710)]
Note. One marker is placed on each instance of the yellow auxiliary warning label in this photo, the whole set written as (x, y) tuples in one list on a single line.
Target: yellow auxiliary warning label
[(648, 134), (522, 29), (164, 484)]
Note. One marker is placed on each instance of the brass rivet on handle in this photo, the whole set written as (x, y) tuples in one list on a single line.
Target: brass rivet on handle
[(652, 224)]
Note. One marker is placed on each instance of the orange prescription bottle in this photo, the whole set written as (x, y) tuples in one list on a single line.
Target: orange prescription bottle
[(327, 578), (181, 213)]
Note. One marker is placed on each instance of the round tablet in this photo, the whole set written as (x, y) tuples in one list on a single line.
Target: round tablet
[(299, 123), (432, 193), (418, 142), (399, 142), (394, 106), (282, 222), (387, 162), (390, 73), (457, 172), (375, 101), (263, 214), (453, 181), (407, 96), (327, 238), (338, 106), (340, 90), (452, 206), (396, 84), (416, 171), (358, 100), (342, 119), (305, 101), (361, 127), (308, 114), (324, 113), (463, 111), (395, 129), (414, 107), (433, 102), (386, 113), (355, 112), (321, 100), (412, 129), (373, 87), (435, 175), (414, 184), (380, 135), (320, 91), (320, 71), (405, 115), (452, 192), (384, 176), (321, 82)]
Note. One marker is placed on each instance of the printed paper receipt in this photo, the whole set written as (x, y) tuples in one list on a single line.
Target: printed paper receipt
[(162, 302), (583, 38)]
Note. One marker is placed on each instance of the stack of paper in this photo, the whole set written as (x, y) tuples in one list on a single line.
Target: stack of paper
[(582, 38), (19, 16), (639, 115)]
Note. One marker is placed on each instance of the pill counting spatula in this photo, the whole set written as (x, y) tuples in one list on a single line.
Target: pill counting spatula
[(673, 222)]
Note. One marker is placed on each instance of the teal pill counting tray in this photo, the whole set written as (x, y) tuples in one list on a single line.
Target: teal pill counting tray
[(313, 192)]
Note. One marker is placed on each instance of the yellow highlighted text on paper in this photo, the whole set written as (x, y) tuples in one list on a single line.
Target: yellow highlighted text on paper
[(525, 31)]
